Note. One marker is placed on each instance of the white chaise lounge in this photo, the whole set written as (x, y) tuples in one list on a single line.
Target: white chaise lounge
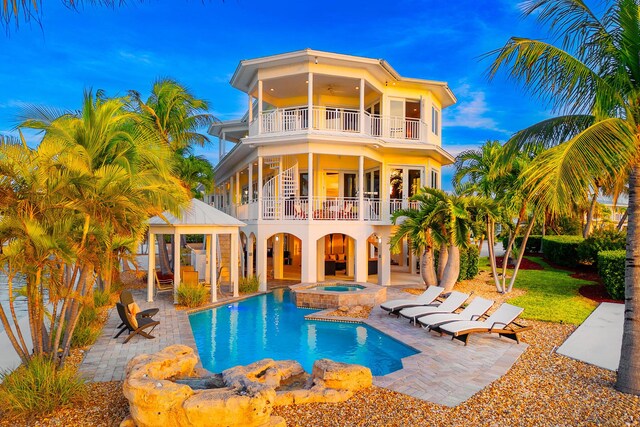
[(426, 298), (500, 322), (453, 301), (474, 311)]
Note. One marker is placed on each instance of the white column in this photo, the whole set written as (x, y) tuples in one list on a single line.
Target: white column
[(250, 241), (320, 273), (362, 122), (234, 262), (207, 248), (384, 192), (403, 253), (310, 100), (351, 254), (261, 262), (259, 188), (224, 144), (278, 256), (361, 188), (310, 184), (309, 261), (250, 175), (151, 273), (213, 266), (238, 196), (220, 147), (176, 264), (384, 259), (259, 107), (250, 108), (361, 260)]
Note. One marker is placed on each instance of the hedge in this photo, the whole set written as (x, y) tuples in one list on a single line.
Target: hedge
[(468, 262), (533, 243), (561, 250), (611, 265), (600, 240)]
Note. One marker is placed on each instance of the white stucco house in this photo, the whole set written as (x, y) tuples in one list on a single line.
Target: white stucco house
[(330, 146)]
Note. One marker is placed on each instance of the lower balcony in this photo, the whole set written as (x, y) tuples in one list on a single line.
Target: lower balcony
[(322, 209)]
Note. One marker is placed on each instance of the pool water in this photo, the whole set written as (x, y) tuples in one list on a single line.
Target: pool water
[(339, 288), (271, 326)]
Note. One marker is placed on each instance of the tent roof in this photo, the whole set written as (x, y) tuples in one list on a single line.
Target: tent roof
[(197, 214)]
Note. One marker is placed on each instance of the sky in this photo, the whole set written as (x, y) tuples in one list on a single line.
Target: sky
[(200, 44)]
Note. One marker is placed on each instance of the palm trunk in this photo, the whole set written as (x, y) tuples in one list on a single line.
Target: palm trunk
[(427, 270), (592, 208), (452, 269), (521, 253), (492, 255), (628, 380), (442, 261), (622, 220), (507, 254)]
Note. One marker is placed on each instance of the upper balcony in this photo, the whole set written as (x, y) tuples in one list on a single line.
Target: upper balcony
[(339, 121)]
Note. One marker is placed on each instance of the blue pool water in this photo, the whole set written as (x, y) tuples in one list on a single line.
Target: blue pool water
[(339, 288), (271, 326)]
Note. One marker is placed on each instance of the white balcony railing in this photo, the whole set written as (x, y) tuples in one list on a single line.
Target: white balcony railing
[(294, 119), (323, 208)]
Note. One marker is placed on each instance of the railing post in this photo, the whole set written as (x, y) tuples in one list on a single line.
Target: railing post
[(259, 107), (310, 101)]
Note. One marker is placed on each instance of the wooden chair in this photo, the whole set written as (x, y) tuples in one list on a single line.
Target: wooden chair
[(126, 298), (137, 327)]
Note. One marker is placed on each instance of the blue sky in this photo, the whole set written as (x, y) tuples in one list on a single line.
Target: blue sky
[(200, 45)]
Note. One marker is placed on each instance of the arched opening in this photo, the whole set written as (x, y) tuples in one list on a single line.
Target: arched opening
[(336, 257), (284, 259), (373, 253)]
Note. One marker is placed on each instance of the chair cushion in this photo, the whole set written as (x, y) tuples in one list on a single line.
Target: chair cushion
[(133, 309), (342, 257), (332, 257)]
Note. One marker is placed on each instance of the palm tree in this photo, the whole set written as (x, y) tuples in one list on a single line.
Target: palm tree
[(177, 116), (15, 10), (91, 184), (592, 77)]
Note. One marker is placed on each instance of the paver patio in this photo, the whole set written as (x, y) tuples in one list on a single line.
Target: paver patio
[(444, 372)]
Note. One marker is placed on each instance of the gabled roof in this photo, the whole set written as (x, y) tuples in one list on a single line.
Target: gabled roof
[(197, 214)]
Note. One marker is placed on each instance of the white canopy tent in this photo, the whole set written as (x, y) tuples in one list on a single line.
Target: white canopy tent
[(198, 218)]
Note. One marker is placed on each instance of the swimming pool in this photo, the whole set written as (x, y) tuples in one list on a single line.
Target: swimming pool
[(271, 326)]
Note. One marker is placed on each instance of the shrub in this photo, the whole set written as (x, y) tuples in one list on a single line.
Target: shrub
[(611, 265), (87, 329), (468, 263), (249, 285), (562, 250), (100, 298), (39, 387), (191, 295), (600, 240), (534, 243)]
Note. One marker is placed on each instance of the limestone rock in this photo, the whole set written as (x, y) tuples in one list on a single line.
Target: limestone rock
[(341, 376), (230, 408), (128, 422)]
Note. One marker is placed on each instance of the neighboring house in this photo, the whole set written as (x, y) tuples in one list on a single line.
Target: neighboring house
[(331, 145), (613, 212)]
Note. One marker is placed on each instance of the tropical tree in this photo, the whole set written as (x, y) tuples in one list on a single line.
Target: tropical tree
[(70, 203), (176, 116), (591, 76)]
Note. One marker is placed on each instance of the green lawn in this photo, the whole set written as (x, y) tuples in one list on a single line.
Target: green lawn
[(552, 295)]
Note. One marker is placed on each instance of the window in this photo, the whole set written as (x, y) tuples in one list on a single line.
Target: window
[(245, 195), (435, 120), (304, 184), (435, 179)]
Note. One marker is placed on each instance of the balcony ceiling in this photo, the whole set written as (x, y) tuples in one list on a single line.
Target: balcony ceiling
[(324, 85)]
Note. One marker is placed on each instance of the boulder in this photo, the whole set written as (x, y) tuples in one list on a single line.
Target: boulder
[(341, 376)]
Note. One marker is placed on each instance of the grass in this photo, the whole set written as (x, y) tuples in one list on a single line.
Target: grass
[(191, 295), (39, 387), (551, 294), (249, 285)]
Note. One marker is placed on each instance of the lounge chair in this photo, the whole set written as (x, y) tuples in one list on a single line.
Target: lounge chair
[(500, 322), (426, 298), (474, 311), (453, 301), (126, 298), (133, 325)]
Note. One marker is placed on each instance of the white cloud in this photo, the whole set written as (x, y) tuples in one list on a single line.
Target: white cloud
[(471, 111)]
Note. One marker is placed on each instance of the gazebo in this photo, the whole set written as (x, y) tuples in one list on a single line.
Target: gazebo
[(198, 218)]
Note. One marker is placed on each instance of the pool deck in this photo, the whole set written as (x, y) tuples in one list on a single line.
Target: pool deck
[(445, 372)]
